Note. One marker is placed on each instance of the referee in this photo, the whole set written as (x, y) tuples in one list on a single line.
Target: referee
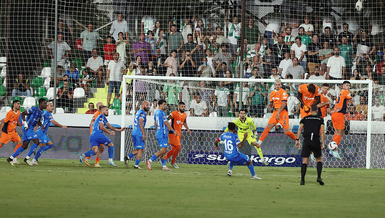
[(314, 130)]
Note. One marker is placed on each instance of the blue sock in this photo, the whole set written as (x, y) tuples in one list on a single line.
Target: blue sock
[(231, 165), (137, 162), (130, 155), (89, 153), (153, 157), (32, 149), (252, 170), (18, 152), (163, 162), (41, 151), (111, 152)]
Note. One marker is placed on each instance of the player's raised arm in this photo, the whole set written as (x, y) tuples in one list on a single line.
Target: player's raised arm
[(58, 124)]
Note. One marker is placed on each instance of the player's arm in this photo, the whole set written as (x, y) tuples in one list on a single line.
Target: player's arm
[(243, 141), (317, 100), (186, 126), (300, 98), (115, 129), (58, 124), (282, 107), (322, 132), (104, 129), (40, 124), (216, 143), (170, 128), (299, 135)]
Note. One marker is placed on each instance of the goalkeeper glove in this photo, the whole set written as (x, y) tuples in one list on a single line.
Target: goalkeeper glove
[(255, 134), (25, 125)]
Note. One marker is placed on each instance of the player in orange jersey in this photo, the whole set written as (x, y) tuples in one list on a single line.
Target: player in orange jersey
[(308, 94), (178, 119), (338, 113), (8, 127), (278, 100), (324, 105)]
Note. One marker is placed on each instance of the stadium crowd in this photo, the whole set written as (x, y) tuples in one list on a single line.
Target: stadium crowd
[(195, 48)]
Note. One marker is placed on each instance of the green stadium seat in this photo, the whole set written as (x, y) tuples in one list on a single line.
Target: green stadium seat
[(37, 82), (40, 92), (116, 104), (78, 62), (1, 80), (2, 90), (16, 98), (47, 63)]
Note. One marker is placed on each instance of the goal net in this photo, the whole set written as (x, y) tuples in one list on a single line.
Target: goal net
[(361, 146)]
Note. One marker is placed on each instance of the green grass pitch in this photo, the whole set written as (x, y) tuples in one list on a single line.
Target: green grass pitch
[(66, 188)]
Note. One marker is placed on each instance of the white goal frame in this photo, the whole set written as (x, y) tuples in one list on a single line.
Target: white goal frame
[(127, 119)]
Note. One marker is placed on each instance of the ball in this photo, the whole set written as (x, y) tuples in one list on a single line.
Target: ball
[(332, 145)]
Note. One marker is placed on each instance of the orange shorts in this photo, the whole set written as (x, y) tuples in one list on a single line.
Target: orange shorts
[(283, 119), (172, 140), (6, 137), (338, 120), (303, 113)]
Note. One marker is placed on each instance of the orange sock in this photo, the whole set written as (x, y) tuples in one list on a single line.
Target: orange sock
[(264, 134), (291, 135), (97, 160), (88, 158), (17, 147), (170, 153), (337, 139)]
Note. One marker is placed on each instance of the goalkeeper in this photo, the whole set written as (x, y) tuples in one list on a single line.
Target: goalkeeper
[(246, 124)]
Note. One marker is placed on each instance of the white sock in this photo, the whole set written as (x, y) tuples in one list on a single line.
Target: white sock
[(110, 159), (27, 157)]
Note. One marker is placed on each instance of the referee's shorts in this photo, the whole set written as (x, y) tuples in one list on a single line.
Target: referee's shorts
[(311, 146)]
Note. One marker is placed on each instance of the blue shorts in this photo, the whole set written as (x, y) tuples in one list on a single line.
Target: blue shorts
[(240, 159), (97, 139), (162, 142), (29, 134), (43, 138), (138, 142), (114, 85)]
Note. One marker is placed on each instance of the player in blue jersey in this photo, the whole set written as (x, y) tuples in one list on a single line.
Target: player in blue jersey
[(231, 142), (162, 126), (138, 134), (34, 116), (45, 142), (97, 137)]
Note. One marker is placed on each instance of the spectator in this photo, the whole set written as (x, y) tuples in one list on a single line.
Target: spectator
[(150, 70), (280, 48), (198, 108), (293, 104), (115, 70), (284, 65), (353, 114), (153, 108), (336, 66), (63, 50), (238, 59), (305, 39), (91, 108), (257, 103), (73, 75), (316, 75), (141, 48), (254, 52), (64, 31), (223, 56), (148, 24), (345, 33), (89, 40), (378, 110), (255, 75), (65, 79), (328, 37), (175, 40), (190, 46), (221, 70), (364, 44), (159, 59), (362, 107), (296, 70), (59, 76), (131, 72), (222, 99), (186, 94), (288, 39), (150, 39), (172, 64), (382, 75), (314, 50), (172, 93), (245, 96), (274, 75), (86, 81), (118, 25), (234, 33), (186, 30), (230, 86), (205, 93), (204, 70), (95, 66), (157, 30), (220, 38), (252, 33), (325, 53), (160, 43), (293, 22), (371, 75), (212, 44), (210, 57), (121, 45), (109, 50), (299, 50), (264, 45), (268, 62), (308, 27), (141, 89), (347, 52), (257, 63), (273, 23), (363, 61), (65, 96), (356, 76), (188, 66), (138, 65), (21, 87)]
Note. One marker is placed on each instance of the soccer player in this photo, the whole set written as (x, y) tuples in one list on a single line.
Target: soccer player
[(99, 105), (45, 142), (8, 127), (178, 119), (246, 124), (338, 113), (324, 105), (138, 134), (308, 94), (231, 143), (97, 137), (161, 126), (313, 129), (34, 115), (278, 100)]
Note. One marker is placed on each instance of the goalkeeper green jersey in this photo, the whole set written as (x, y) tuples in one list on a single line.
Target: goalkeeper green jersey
[(244, 126)]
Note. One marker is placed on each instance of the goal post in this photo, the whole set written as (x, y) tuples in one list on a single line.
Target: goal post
[(355, 146)]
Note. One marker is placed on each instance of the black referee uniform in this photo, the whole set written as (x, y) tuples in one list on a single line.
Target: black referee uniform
[(311, 134)]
